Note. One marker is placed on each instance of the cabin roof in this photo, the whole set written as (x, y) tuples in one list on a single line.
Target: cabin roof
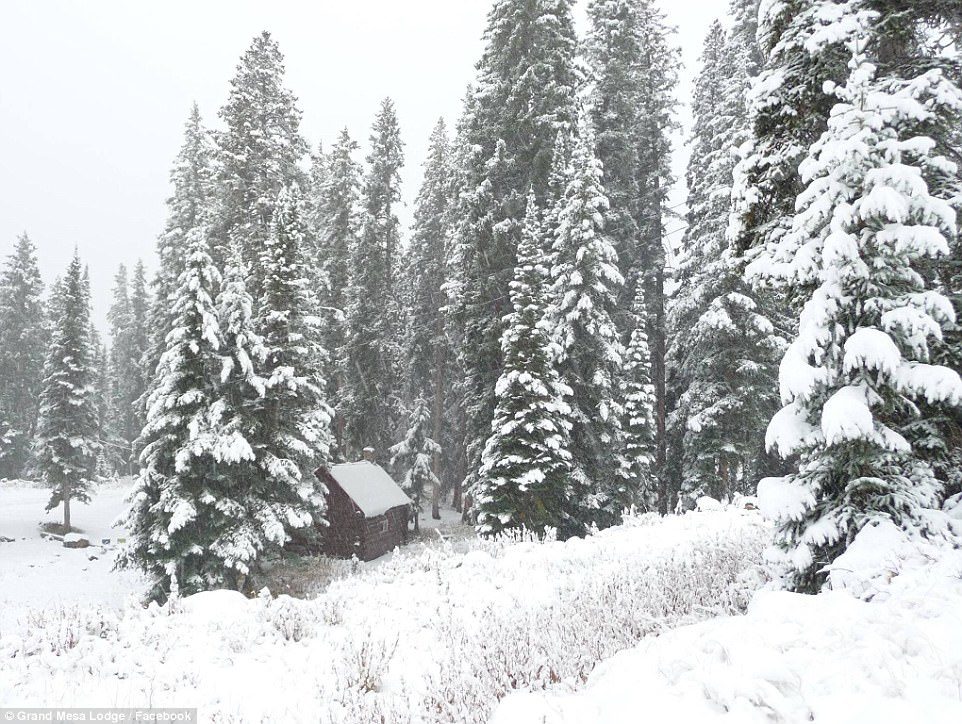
[(369, 486)]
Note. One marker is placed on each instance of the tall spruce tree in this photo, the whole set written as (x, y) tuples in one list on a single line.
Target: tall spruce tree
[(874, 207), (23, 347), (723, 347), (369, 393), (125, 368), (523, 97), (414, 459), (788, 111), (114, 453), (585, 288), (140, 311), (258, 153), (176, 500), (524, 481), (188, 207), (638, 418), (634, 70), (67, 430), (294, 432), (428, 350), (252, 510), (336, 226)]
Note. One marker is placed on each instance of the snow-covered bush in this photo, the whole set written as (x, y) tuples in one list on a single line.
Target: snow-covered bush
[(362, 664), (291, 618), (437, 633), (59, 629)]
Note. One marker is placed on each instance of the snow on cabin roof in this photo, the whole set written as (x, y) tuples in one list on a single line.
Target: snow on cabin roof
[(369, 486)]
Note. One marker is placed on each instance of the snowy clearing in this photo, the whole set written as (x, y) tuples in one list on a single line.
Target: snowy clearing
[(38, 572), (433, 634)]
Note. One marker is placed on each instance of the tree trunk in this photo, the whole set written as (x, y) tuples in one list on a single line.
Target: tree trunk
[(66, 506), (456, 494)]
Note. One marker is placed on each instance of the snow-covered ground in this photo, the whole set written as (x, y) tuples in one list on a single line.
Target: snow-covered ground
[(37, 572), (437, 632), (885, 648), (511, 632)]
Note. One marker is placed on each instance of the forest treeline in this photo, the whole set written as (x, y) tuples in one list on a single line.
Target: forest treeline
[(542, 349)]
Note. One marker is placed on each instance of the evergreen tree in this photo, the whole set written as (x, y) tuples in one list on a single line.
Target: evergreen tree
[(125, 367), (634, 70), (258, 153), (140, 306), (113, 452), (23, 346), (744, 33), (252, 511), (788, 110), (369, 395), (175, 503), (67, 431), (524, 96), (873, 208), (723, 347), (638, 398), (428, 350), (293, 436), (187, 208), (524, 477), (8, 438), (336, 227), (414, 458), (585, 287)]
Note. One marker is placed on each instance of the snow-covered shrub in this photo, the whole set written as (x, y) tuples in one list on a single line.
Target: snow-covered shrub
[(595, 616), (292, 619), (61, 628), (363, 663)]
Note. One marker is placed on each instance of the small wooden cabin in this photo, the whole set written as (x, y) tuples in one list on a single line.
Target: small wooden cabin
[(366, 510)]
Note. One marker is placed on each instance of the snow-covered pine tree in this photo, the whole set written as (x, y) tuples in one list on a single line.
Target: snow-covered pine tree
[(723, 349), (250, 514), (457, 292), (140, 306), (414, 459), (872, 209), (113, 452), (125, 369), (258, 153), (744, 33), (638, 416), (524, 477), (336, 226), (428, 349), (919, 43), (524, 95), (314, 186), (190, 203), (788, 110), (23, 347), (67, 430), (585, 287), (8, 437), (370, 389), (634, 69), (175, 501), (293, 437)]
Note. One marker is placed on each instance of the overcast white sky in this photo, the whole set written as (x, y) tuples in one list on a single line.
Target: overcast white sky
[(94, 95)]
